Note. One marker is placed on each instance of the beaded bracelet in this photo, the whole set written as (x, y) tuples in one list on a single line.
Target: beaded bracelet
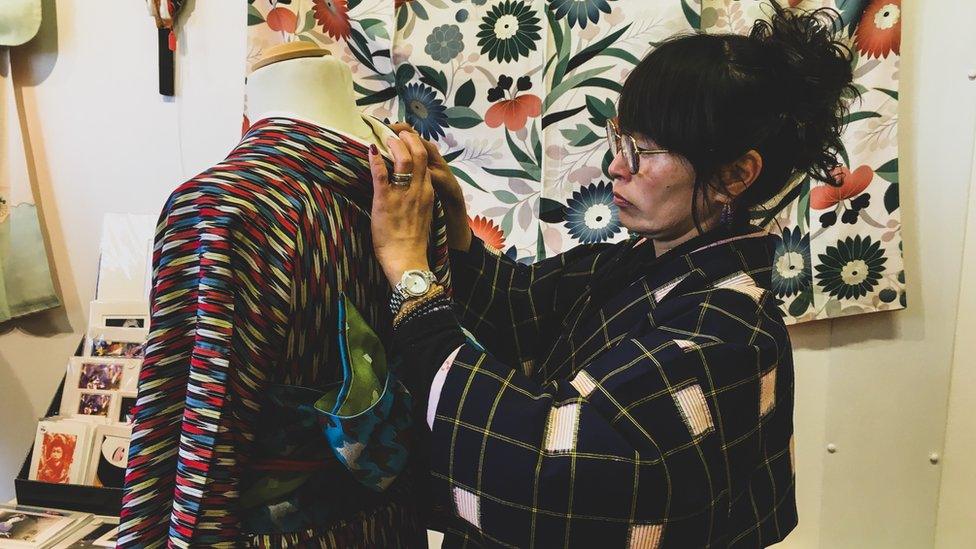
[(411, 304), (419, 308), (442, 304)]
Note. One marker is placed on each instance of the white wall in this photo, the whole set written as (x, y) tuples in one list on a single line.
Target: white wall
[(876, 386), (957, 517), (105, 141)]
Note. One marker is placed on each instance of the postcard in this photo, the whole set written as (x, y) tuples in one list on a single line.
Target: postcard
[(24, 526), (92, 375), (109, 456), (116, 342), (94, 404), (60, 451)]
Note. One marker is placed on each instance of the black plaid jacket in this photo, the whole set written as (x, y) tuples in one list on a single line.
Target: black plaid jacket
[(661, 418)]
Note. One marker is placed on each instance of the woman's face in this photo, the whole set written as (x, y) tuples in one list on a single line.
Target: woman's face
[(656, 201)]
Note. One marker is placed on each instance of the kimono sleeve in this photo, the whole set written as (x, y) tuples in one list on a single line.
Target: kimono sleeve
[(510, 306), (220, 296), (632, 447)]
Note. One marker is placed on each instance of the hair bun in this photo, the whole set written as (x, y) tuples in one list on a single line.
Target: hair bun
[(813, 68)]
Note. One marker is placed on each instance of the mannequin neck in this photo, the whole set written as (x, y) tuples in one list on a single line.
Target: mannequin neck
[(317, 90)]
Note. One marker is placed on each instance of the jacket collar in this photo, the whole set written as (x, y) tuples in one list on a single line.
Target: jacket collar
[(636, 287), (743, 255), (635, 260)]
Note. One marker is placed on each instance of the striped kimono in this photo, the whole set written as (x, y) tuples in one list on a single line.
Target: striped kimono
[(249, 261), (591, 409)]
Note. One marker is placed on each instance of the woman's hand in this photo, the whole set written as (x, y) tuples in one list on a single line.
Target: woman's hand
[(401, 216), (448, 191)]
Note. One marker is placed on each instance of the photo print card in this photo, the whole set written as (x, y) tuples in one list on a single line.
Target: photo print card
[(22, 526), (60, 452), (95, 374), (93, 534), (109, 455), (94, 405), (116, 342), (21, 529), (100, 375), (118, 314)]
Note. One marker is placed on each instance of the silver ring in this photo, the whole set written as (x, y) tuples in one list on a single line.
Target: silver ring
[(401, 179)]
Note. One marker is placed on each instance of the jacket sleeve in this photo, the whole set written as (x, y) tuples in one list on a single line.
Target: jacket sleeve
[(633, 448), (514, 308), (219, 299)]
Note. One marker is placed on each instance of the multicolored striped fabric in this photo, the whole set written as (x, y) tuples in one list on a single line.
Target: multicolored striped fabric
[(249, 261)]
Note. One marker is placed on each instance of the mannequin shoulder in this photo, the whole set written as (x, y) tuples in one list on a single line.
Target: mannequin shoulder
[(235, 198)]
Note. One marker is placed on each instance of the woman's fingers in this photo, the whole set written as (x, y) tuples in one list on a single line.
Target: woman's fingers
[(398, 127), (433, 153), (377, 166), (419, 153), (402, 159)]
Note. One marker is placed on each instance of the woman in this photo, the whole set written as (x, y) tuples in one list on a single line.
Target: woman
[(637, 394)]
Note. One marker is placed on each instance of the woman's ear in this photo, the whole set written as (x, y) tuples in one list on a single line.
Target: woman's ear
[(740, 175)]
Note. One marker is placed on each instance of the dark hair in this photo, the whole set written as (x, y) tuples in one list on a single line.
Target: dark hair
[(713, 97)]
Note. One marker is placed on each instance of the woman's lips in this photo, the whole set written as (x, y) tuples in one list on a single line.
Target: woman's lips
[(620, 201)]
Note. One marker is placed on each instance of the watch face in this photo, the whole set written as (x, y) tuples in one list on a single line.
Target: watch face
[(416, 285)]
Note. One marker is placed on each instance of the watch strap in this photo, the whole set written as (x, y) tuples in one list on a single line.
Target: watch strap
[(401, 295)]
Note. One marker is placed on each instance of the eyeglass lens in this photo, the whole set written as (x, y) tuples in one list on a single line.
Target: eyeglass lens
[(622, 144), (612, 138)]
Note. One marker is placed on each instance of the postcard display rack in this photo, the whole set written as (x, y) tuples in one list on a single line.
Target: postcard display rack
[(78, 459)]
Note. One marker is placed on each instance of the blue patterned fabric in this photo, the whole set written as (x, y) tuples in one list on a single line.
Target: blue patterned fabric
[(366, 420)]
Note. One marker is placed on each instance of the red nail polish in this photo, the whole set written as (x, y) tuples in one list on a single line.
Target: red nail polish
[(373, 150)]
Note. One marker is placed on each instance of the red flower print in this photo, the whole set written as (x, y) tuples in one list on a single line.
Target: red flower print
[(879, 32), (398, 3), (282, 20), (333, 15), (489, 233), (852, 184), (514, 113)]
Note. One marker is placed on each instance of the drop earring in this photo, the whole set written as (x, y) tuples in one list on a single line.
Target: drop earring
[(726, 214)]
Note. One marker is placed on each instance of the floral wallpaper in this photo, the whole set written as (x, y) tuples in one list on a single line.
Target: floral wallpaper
[(517, 92)]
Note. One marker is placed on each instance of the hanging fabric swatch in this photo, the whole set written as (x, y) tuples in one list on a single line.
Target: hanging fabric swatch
[(516, 93), (26, 285)]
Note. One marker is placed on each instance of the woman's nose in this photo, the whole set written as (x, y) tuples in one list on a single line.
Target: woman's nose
[(618, 168)]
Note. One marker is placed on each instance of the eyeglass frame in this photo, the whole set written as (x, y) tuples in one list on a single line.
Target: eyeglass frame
[(615, 140)]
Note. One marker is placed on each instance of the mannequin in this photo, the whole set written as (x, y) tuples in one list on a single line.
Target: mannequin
[(251, 259), (287, 87)]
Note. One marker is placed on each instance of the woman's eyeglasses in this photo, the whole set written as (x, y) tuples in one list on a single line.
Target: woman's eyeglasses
[(626, 144)]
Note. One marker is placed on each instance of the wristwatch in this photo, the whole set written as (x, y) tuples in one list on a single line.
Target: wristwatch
[(413, 283)]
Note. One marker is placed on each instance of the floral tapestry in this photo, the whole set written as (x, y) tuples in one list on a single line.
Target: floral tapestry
[(517, 92)]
